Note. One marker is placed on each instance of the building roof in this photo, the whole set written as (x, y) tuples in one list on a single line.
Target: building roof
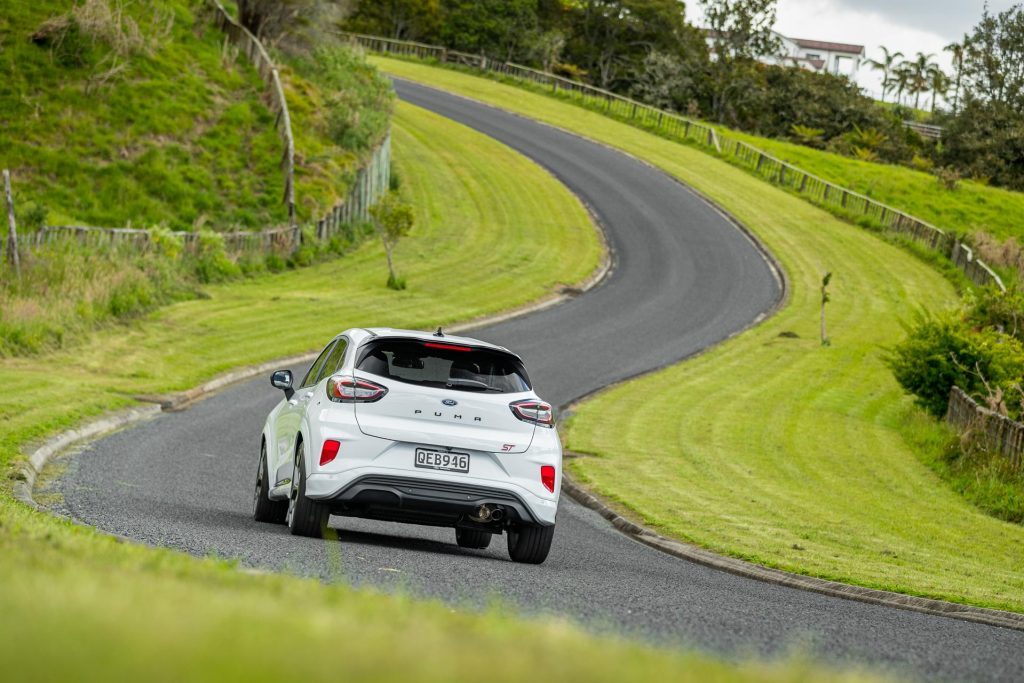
[(831, 47)]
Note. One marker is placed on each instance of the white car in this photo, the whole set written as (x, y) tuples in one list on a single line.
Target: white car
[(411, 427)]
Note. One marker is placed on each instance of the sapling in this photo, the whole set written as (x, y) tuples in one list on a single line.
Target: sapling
[(392, 219), (825, 341)]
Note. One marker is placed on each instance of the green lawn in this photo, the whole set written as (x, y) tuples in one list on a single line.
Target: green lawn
[(773, 448), (78, 604)]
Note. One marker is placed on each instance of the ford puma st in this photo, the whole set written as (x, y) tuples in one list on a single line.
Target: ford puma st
[(407, 426)]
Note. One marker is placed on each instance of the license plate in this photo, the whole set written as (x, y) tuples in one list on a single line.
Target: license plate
[(442, 460)]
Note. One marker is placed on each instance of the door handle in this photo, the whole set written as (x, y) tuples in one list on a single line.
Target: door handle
[(308, 395)]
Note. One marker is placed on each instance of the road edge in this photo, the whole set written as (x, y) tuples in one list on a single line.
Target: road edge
[(779, 577)]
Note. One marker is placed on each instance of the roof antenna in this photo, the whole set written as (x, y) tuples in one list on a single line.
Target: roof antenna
[(439, 333)]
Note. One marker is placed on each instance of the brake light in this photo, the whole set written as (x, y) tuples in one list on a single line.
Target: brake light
[(329, 452), (352, 390), (447, 347), (532, 410), (547, 477)]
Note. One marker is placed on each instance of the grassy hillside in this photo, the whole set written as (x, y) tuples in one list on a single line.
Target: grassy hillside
[(120, 113), (71, 596), (971, 208), (139, 114), (772, 447)]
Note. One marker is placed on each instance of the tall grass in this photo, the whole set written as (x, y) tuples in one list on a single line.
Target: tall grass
[(67, 289)]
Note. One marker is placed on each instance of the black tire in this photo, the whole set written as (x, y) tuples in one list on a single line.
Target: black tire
[(472, 538), (530, 544), (307, 517), (264, 509)]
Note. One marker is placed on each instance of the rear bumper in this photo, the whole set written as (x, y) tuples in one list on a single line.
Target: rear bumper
[(440, 501), (426, 501)]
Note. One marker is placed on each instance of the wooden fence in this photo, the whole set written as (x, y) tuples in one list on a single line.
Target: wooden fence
[(260, 59), (836, 198), (986, 428), (371, 183)]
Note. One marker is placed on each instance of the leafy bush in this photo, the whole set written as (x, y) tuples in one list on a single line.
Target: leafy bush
[(944, 350)]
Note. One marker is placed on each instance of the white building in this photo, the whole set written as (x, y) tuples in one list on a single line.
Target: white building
[(814, 55)]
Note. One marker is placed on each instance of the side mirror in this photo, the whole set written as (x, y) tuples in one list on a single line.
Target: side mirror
[(282, 379)]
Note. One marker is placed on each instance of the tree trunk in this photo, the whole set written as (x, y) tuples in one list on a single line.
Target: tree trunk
[(391, 267), (12, 227), (824, 332)]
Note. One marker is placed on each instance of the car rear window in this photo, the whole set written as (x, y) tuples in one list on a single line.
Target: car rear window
[(444, 365)]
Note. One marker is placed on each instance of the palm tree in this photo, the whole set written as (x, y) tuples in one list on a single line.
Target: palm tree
[(958, 50), (919, 69), (887, 65), (938, 83), (902, 80)]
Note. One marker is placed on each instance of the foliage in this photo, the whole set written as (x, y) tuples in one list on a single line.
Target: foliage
[(393, 220), (948, 177), (942, 351), (497, 28), (986, 138), (740, 30), (807, 135), (293, 25), (400, 19)]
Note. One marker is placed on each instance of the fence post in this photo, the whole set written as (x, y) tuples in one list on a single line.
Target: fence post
[(12, 227)]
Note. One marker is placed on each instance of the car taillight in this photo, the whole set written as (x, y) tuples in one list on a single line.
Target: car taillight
[(329, 452), (547, 477), (352, 390), (532, 410)]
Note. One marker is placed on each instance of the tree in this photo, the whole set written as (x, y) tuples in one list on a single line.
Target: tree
[(289, 22), (957, 50), (993, 62), (902, 80), (392, 220), (497, 28), (938, 83), (399, 19), (611, 38), (920, 69), (986, 138), (886, 65), (740, 31)]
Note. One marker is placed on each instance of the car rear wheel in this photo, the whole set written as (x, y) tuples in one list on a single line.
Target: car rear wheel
[(472, 538), (264, 509), (306, 517), (530, 544)]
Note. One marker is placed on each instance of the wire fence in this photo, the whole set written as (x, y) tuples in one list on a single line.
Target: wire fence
[(839, 200), (986, 428)]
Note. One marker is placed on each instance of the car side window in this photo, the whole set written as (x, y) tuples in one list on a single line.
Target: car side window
[(314, 369), (334, 360)]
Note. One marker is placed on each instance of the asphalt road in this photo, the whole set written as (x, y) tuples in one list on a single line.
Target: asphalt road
[(684, 278)]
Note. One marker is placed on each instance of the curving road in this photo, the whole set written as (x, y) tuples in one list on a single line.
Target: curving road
[(684, 278)]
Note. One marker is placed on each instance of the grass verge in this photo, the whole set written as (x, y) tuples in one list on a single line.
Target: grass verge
[(771, 447), (72, 596)]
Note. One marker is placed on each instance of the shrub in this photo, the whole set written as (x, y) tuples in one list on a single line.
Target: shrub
[(948, 177), (943, 350)]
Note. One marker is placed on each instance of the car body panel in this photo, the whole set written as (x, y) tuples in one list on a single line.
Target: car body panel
[(380, 439)]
